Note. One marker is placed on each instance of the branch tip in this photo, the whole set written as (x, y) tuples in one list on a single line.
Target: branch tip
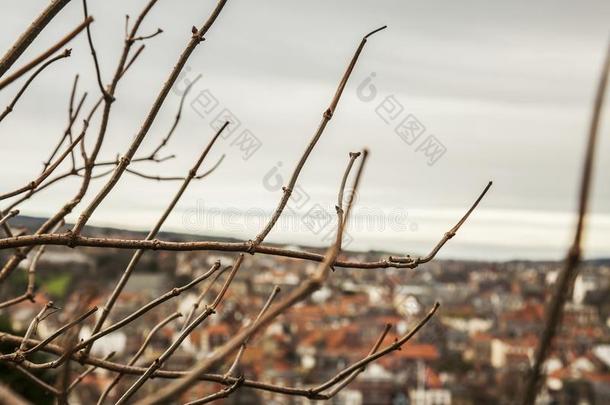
[(375, 31)]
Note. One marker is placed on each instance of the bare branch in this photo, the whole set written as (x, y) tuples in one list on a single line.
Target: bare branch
[(39, 59), (67, 208), (200, 298), (26, 39), (150, 118), (136, 356), (174, 292), (35, 183), (98, 74), (242, 349), (67, 239), (145, 37), (72, 115), (85, 373), (175, 178), (60, 331), (32, 273), (34, 379), (392, 262), (339, 206), (355, 373), (326, 117), (220, 394), (172, 374), (11, 106), (412, 263), (34, 324), (126, 26), (568, 274), (158, 363), (346, 373), (72, 96), (133, 59), (153, 233), (63, 346), (8, 216), (14, 301), (67, 354), (176, 118), (304, 290)]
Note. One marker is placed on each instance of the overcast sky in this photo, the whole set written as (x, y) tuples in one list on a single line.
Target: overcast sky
[(505, 88)]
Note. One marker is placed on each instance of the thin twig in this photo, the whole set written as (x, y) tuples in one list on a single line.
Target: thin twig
[(201, 296), (34, 324), (174, 292), (85, 373), (158, 363), (98, 74), (153, 233), (8, 216), (145, 37), (165, 140), (304, 290), (35, 183), (32, 273), (169, 374), (137, 355), (72, 115), (67, 208), (220, 394), (412, 263), (355, 373), (242, 349), (345, 373), (69, 129), (39, 59), (11, 106), (326, 117), (67, 239), (176, 178), (150, 118), (339, 207), (14, 301), (60, 331), (26, 39), (72, 96), (34, 379)]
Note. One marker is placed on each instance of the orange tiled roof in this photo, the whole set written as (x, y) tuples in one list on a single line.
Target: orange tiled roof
[(421, 351), (529, 313)]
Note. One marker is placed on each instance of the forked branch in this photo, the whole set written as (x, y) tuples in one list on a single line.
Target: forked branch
[(326, 117)]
